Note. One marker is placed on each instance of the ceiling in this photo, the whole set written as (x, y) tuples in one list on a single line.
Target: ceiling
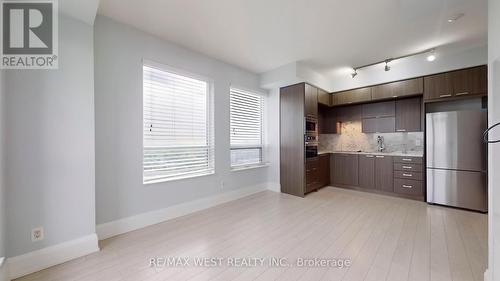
[(261, 35)]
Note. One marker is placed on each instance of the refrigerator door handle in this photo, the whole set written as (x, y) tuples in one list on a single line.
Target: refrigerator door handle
[(486, 133)]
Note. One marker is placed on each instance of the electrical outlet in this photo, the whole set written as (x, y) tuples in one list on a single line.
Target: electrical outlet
[(37, 234)]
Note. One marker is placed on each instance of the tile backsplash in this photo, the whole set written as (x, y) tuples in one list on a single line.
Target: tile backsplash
[(352, 139)]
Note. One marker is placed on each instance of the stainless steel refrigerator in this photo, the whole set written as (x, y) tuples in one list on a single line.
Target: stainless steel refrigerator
[(457, 159)]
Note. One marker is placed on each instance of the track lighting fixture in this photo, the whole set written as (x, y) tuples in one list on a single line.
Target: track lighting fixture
[(430, 57), (354, 73)]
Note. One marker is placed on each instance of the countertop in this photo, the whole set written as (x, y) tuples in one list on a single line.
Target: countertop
[(396, 153)]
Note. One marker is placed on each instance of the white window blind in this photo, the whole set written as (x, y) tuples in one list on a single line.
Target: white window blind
[(246, 118), (178, 138)]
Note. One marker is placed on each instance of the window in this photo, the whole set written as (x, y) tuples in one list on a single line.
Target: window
[(246, 110), (178, 134)]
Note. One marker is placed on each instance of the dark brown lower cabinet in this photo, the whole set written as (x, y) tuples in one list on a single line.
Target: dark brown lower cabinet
[(378, 173), (324, 169), (367, 171), (384, 173), (344, 169), (312, 175), (317, 173)]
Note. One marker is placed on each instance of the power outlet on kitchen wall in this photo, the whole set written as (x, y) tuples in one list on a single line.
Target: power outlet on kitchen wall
[(37, 234)]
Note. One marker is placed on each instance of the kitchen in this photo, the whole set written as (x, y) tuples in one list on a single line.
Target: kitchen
[(419, 138)]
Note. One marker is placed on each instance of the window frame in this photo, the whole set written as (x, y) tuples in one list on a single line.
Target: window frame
[(210, 121), (263, 136)]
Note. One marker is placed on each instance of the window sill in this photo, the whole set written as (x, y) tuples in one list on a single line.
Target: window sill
[(178, 178), (249, 167)]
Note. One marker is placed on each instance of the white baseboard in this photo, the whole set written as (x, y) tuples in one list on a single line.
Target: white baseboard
[(113, 228), (3, 270), (487, 275), (50, 256), (274, 186)]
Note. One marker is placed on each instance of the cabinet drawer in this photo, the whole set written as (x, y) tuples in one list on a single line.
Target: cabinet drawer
[(405, 159), (312, 165), (408, 175), (409, 187), (408, 167)]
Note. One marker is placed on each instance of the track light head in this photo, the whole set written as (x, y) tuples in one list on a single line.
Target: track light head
[(354, 73), (387, 67)]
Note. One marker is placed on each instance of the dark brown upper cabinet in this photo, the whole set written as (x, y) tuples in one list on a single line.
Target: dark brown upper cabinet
[(349, 113), (311, 101), (438, 86), (324, 98), (352, 96), (378, 125), (398, 89), (379, 109), (367, 171), (327, 120), (471, 81), (409, 115)]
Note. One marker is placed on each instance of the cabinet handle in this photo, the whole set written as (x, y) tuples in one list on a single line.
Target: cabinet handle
[(461, 94), (369, 156), (407, 167), (407, 159), (314, 169), (444, 96), (400, 130), (407, 175), (380, 156), (407, 186)]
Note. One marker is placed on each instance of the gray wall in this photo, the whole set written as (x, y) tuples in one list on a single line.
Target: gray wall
[(119, 51), (50, 145)]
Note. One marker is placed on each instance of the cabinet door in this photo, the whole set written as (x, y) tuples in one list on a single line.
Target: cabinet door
[(344, 170), (324, 169), (384, 173), (472, 81), (323, 97), (337, 175), (438, 86), (409, 115), (403, 88), (367, 171), (353, 96), (311, 100), (379, 109), (327, 120), (379, 125), (349, 113)]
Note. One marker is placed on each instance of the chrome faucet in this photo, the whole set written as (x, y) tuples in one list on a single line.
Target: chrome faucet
[(380, 143)]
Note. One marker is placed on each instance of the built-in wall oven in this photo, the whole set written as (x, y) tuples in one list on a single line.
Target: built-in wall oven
[(311, 137)]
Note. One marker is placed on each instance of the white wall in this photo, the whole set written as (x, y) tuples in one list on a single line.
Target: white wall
[(2, 182), (50, 145), (119, 50), (494, 149)]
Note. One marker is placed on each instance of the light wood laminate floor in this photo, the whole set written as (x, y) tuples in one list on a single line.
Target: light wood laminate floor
[(385, 238)]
